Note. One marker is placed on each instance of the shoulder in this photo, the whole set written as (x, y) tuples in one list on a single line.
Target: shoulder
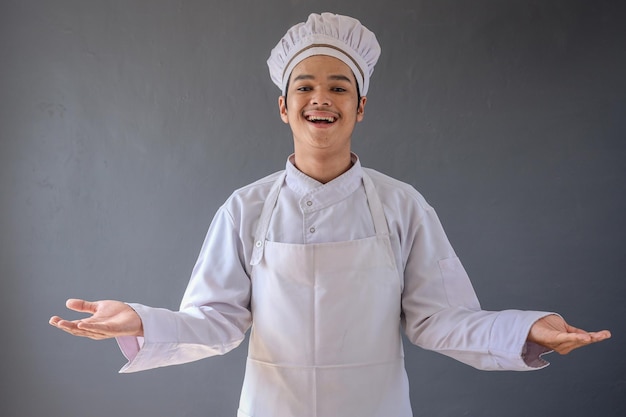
[(259, 188), (250, 198), (395, 193)]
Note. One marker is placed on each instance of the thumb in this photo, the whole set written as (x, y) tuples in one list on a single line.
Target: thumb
[(571, 329), (81, 305)]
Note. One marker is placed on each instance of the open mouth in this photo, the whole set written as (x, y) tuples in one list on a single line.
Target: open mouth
[(321, 119)]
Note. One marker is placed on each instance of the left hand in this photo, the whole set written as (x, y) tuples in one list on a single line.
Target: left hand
[(554, 333)]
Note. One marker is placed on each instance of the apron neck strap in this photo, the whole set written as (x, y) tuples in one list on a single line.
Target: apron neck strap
[(264, 220), (375, 205)]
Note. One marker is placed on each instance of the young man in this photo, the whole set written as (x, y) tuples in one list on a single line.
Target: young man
[(326, 261)]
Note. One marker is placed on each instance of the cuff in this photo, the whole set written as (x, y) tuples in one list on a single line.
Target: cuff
[(131, 345), (508, 341), (532, 355)]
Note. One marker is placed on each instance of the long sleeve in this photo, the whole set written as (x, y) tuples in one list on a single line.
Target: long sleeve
[(441, 311), (214, 312)]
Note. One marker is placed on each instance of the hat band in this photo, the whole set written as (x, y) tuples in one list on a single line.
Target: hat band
[(324, 45)]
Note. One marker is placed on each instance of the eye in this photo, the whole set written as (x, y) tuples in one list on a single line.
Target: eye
[(304, 88), (339, 90)]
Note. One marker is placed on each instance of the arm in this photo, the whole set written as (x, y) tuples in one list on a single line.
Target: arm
[(213, 318), (214, 312), (442, 312)]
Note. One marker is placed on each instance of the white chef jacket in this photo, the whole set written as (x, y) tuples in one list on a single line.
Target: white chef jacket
[(440, 310)]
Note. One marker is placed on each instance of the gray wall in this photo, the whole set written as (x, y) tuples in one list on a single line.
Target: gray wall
[(125, 124)]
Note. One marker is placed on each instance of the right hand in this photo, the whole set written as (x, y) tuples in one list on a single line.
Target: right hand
[(108, 319)]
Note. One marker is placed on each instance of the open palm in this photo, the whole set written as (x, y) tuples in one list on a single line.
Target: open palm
[(108, 318), (554, 333)]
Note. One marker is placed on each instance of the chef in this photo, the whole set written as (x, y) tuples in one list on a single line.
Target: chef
[(328, 263)]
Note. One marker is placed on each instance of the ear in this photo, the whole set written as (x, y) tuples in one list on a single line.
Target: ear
[(282, 108), (360, 111)]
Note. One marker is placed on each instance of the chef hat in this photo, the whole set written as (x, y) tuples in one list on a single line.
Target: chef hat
[(341, 37)]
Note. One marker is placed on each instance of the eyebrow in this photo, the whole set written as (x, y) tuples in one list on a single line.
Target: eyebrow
[(337, 77)]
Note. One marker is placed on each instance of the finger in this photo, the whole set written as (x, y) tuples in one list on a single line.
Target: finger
[(54, 320), (572, 329), (65, 324), (81, 305), (578, 341), (89, 335), (73, 328), (571, 337), (601, 335), (89, 326), (591, 337), (108, 329), (566, 348)]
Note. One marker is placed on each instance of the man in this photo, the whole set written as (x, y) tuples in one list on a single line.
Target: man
[(326, 261)]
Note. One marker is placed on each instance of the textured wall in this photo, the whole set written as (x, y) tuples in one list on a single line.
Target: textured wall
[(125, 124)]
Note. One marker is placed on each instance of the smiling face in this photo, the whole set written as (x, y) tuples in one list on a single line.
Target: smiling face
[(322, 106)]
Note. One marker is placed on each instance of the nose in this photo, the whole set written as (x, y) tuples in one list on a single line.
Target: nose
[(321, 97)]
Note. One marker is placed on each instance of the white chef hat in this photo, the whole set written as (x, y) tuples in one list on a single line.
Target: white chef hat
[(341, 37)]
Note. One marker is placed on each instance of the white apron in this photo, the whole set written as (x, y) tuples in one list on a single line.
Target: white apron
[(325, 339)]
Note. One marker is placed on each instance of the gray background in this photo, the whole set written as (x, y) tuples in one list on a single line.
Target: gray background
[(125, 124)]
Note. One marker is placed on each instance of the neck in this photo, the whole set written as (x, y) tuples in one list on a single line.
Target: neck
[(323, 168)]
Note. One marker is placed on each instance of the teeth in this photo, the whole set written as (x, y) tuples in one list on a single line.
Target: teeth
[(320, 119)]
